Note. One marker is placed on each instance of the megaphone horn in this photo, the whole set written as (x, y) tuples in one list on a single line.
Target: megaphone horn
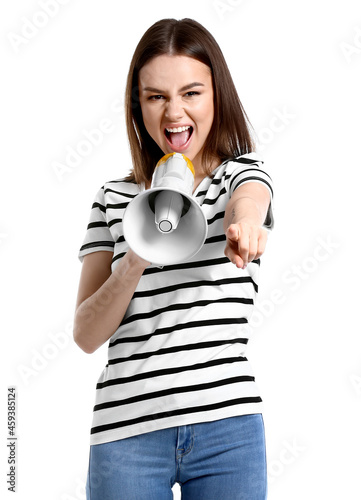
[(164, 224)]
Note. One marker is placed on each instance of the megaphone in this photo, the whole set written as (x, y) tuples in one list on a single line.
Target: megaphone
[(164, 224)]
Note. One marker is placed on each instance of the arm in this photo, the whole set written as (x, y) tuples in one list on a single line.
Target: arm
[(244, 216), (103, 296)]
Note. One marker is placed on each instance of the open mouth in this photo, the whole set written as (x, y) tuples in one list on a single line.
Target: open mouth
[(178, 137)]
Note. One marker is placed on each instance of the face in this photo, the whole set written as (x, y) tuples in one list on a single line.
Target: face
[(176, 98)]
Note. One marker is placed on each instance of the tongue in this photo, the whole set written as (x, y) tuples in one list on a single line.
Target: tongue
[(179, 138)]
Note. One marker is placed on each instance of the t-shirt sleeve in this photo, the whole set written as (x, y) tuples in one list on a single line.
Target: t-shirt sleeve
[(98, 236), (249, 168)]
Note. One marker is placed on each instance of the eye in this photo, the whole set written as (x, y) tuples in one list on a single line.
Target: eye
[(155, 97), (192, 93)]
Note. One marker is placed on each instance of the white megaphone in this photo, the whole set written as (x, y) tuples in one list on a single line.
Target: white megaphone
[(164, 224)]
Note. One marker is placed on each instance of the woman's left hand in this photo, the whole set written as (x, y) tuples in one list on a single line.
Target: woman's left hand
[(245, 242)]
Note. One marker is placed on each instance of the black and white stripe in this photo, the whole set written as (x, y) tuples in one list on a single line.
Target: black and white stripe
[(178, 356)]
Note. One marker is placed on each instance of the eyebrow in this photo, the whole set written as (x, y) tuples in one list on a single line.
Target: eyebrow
[(186, 87)]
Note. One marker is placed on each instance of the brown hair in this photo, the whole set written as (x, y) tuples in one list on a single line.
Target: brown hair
[(229, 135)]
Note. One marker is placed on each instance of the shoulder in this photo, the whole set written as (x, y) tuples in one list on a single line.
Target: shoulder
[(250, 160), (239, 170), (119, 189), (121, 186), (237, 165)]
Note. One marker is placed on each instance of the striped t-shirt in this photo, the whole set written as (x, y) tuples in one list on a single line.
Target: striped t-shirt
[(178, 356)]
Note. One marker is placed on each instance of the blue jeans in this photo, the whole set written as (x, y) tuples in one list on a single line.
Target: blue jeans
[(221, 460)]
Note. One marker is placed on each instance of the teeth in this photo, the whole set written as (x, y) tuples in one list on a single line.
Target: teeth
[(179, 129)]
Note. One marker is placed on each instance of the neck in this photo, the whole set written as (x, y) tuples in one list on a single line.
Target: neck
[(198, 179), (200, 172)]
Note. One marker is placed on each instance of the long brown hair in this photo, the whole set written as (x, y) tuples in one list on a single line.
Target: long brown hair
[(229, 135)]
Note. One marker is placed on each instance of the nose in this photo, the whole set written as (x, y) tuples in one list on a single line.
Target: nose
[(173, 110)]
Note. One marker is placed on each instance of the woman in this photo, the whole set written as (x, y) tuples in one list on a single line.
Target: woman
[(177, 401)]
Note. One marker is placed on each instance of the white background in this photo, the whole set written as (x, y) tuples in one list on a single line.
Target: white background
[(297, 67)]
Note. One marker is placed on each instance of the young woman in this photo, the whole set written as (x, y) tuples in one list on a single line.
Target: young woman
[(177, 401)]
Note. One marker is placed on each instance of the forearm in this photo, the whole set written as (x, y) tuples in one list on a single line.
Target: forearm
[(98, 317), (244, 209)]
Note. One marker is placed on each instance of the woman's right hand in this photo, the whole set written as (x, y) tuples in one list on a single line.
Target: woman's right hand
[(138, 261)]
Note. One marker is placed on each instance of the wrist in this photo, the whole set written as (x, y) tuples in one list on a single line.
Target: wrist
[(249, 221), (135, 262)]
